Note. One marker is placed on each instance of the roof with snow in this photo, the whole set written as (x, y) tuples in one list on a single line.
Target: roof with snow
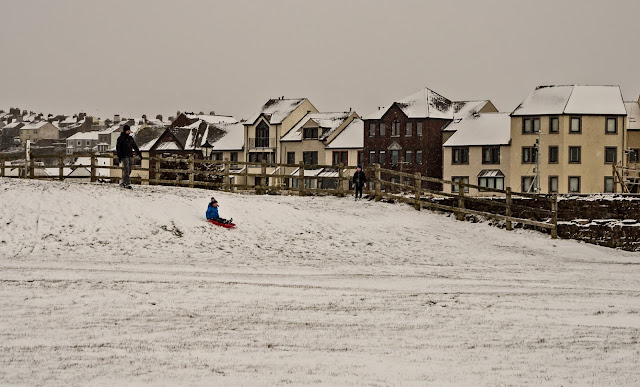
[(425, 103), (212, 119), (482, 129), (463, 110), (84, 136), (147, 137), (633, 115), (329, 122), (351, 137), (229, 137), (276, 110), (35, 125), (576, 99)]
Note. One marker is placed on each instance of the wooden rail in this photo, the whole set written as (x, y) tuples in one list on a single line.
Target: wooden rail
[(290, 178)]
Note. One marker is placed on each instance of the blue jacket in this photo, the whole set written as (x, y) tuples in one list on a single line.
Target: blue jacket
[(212, 212)]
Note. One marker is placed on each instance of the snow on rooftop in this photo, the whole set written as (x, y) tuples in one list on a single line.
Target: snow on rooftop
[(34, 125), (277, 110), (483, 129), (351, 137), (232, 140), (425, 103), (327, 121), (212, 119), (547, 100), (84, 136), (633, 115)]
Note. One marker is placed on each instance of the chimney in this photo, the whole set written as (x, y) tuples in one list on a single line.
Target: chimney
[(212, 113), (159, 117), (116, 118)]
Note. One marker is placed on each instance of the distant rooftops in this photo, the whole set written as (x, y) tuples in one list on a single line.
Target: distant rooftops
[(575, 99)]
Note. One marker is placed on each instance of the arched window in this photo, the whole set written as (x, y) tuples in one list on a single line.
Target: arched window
[(262, 135)]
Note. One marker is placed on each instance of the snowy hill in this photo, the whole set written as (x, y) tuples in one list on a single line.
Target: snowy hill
[(102, 285)]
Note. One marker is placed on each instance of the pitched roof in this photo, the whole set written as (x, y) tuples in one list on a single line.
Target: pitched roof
[(482, 129), (351, 137), (329, 122), (576, 99), (35, 125), (84, 136), (463, 110), (212, 119), (226, 136), (276, 110), (147, 137), (425, 103)]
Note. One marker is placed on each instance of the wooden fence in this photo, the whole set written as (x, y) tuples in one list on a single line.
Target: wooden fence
[(276, 178)]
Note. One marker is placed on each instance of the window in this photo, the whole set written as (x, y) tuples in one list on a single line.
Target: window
[(291, 157), (408, 157), (490, 155), (88, 142), (553, 154), (310, 158), (574, 184), (491, 182), (553, 184), (612, 125), (310, 133), (554, 125), (460, 155), (418, 157), (395, 157), (527, 183), (372, 130), (309, 183), (530, 125), (383, 129), (459, 179), (576, 125), (258, 157), (610, 154), (381, 157), (395, 128), (360, 160), (217, 156), (340, 157), (419, 128), (634, 155), (79, 143), (35, 132), (529, 154), (233, 156), (372, 157), (262, 135), (408, 129), (575, 154), (608, 184)]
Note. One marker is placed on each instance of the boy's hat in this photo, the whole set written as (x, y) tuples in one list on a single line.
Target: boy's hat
[(125, 128), (213, 200), (360, 166)]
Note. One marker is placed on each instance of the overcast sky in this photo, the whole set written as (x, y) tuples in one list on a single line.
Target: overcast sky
[(159, 56)]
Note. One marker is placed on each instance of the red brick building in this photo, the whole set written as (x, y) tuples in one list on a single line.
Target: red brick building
[(408, 135)]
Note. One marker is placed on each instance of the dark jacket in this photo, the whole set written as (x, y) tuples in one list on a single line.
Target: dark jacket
[(359, 178), (126, 145)]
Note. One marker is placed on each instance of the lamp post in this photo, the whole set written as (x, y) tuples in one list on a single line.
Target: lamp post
[(206, 150)]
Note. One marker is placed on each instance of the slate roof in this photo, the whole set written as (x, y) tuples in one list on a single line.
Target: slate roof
[(425, 103), (351, 137), (482, 129), (276, 110), (147, 137)]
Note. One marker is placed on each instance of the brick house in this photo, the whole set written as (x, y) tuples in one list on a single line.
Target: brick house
[(408, 135)]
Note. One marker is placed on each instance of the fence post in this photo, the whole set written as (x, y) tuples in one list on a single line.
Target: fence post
[(263, 177), (418, 184), (227, 179), (301, 179), (340, 180), (61, 168), (246, 177), (554, 219), (378, 182), (2, 166), (157, 171), (93, 168), (508, 209), (460, 214), (32, 167), (191, 170)]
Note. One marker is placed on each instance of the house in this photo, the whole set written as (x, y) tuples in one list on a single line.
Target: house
[(41, 130), (408, 135), (307, 141), (478, 152), (632, 148), (82, 142), (11, 135), (264, 129), (574, 133)]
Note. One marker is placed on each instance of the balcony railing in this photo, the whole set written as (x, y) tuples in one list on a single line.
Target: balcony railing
[(261, 143)]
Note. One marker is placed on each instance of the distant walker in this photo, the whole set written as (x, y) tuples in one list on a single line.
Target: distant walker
[(359, 179), (125, 147)]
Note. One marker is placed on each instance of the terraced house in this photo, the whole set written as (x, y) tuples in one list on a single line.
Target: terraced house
[(566, 139)]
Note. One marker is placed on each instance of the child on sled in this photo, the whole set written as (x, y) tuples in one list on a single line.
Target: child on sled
[(212, 213)]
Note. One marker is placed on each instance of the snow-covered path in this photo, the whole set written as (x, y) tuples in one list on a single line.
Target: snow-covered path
[(102, 285)]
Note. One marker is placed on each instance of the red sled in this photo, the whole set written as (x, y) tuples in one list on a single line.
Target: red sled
[(225, 225)]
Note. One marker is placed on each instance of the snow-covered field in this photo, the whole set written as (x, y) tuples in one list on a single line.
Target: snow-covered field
[(105, 286)]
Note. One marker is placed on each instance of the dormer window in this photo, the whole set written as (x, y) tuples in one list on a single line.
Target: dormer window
[(310, 133)]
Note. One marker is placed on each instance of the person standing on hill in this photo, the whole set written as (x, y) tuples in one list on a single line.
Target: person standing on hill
[(125, 146), (359, 179)]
